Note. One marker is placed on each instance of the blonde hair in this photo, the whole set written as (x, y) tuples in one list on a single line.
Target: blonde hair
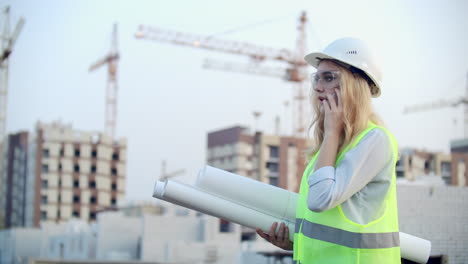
[(356, 96)]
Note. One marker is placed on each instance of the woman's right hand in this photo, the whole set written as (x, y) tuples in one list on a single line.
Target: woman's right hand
[(280, 239), (333, 108)]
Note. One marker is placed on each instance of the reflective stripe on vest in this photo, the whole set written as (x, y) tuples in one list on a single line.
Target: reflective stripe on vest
[(347, 238)]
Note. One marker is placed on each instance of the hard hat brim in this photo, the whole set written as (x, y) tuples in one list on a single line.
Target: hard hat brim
[(314, 60)]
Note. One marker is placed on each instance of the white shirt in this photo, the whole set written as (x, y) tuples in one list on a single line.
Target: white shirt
[(359, 183)]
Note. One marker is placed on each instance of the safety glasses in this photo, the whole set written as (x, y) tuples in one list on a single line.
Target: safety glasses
[(326, 79)]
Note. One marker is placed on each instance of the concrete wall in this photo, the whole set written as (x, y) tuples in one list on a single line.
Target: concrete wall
[(117, 236), (17, 245), (439, 214), (188, 239)]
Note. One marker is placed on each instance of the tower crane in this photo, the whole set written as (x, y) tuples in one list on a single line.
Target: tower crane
[(7, 42), (443, 103), (295, 70), (111, 60)]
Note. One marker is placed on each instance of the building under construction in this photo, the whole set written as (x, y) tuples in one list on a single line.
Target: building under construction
[(277, 160), (57, 173)]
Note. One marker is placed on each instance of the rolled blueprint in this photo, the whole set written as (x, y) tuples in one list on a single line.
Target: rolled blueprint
[(190, 197), (414, 248), (263, 197), (270, 200)]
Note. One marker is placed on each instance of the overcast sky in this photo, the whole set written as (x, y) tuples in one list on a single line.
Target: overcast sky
[(167, 102)]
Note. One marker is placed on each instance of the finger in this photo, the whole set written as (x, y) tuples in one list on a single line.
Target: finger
[(338, 97), (331, 100), (263, 235), (281, 233), (272, 232), (326, 106), (286, 231)]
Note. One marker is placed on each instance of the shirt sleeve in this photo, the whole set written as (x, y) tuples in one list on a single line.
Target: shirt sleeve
[(330, 186)]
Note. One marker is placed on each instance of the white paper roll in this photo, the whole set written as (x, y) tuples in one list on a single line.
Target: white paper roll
[(271, 200), (414, 248), (198, 200), (263, 197)]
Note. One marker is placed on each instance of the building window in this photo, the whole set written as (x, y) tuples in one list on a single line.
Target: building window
[(94, 153), (58, 214), (224, 226), (115, 156), (77, 152), (446, 168), (93, 168), (62, 152), (272, 166), (113, 201), (92, 215), (60, 167), (43, 215), (427, 166), (76, 183), (274, 151), (60, 183), (114, 171), (44, 184), (45, 153), (274, 181), (76, 168), (400, 174), (76, 214), (59, 198), (114, 186), (92, 200), (45, 168), (92, 184), (76, 199), (43, 199)]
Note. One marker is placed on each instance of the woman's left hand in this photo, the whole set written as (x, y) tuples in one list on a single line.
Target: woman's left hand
[(333, 123), (280, 238)]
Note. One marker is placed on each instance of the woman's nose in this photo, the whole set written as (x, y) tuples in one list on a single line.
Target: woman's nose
[(318, 87)]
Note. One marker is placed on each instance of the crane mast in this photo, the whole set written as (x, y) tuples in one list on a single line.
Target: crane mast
[(112, 87), (7, 41), (296, 70)]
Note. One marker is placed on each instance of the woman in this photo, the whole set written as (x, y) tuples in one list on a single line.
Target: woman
[(346, 211)]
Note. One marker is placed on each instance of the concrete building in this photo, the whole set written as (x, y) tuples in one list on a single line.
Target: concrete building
[(57, 173), (273, 159), (2, 172), (17, 210), (422, 165), (459, 151)]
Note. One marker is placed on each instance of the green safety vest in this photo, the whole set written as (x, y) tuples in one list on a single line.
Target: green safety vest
[(330, 237)]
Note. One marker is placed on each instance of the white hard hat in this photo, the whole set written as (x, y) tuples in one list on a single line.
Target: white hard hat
[(351, 52)]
